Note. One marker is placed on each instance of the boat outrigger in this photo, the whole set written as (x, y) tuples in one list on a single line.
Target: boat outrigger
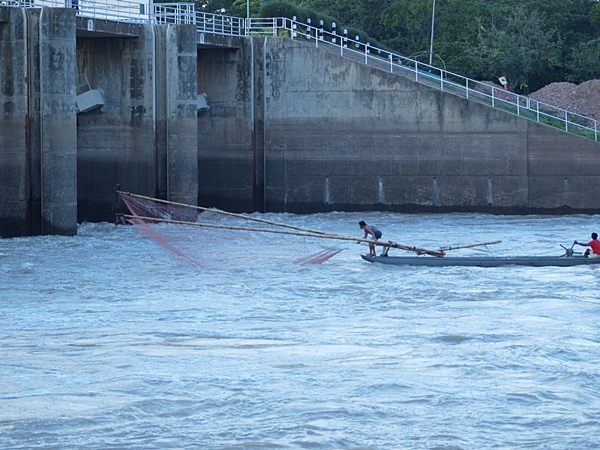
[(484, 261)]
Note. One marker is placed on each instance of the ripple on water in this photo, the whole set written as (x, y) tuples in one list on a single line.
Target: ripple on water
[(111, 342)]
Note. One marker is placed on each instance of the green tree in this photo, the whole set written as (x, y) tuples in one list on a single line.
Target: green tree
[(456, 35), (516, 45), (407, 25), (239, 8), (594, 15), (585, 62), (570, 20), (361, 14)]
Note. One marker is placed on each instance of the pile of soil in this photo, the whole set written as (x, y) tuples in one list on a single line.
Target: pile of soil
[(582, 99)]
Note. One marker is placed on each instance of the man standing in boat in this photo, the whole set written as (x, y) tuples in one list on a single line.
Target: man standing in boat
[(595, 247), (370, 229)]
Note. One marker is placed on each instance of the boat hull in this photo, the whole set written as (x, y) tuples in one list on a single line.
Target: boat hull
[(483, 261)]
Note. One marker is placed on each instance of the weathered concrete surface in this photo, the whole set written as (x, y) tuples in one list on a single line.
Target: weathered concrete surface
[(116, 143), (38, 152), (290, 128), (563, 171), (59, 168), (58, 121), (98, 28), (226, 155), (14, 176), (181, 114), (309, 131), (144, 137)]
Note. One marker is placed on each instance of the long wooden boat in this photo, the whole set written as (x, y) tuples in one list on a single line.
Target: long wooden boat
[(484, 261)]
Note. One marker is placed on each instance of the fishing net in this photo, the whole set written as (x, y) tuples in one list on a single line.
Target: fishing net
[(149, 232), (153, 208), (145, 210), (148, 208), (319, 257)]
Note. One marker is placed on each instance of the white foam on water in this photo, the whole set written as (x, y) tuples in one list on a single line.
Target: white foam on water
[(108, 341)]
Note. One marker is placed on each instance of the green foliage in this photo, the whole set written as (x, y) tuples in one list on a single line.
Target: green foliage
[(595, 15), (585, 62), (532, 43), (516, 45), (280, 8), (239, 8), (361, 15), (407, 23)]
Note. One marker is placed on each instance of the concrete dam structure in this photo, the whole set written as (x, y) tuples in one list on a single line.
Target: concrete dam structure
[(285, 127)]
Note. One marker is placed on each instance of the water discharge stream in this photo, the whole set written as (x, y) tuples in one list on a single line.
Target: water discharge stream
[(108, 341)]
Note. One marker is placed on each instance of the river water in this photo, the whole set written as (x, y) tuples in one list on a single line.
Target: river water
[(108, 341)]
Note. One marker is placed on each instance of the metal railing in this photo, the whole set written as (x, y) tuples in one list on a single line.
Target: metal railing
[(172, 13), (364, 52), (165, 13), (217, 24), (116, 10), (18, 3)]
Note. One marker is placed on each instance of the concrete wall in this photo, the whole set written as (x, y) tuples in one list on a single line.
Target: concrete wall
[(226, 151), (144, 137), (324, 133), (349, 137), (181, 113), (563, 171), (116, 143), (38, 152), (59, 168)]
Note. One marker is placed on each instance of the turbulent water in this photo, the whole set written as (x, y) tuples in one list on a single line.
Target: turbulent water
[(109, 341)]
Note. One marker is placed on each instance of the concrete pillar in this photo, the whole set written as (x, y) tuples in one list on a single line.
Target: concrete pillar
[(181, 113), (58, 121), (14, 192), (38, 140), (258, 123)]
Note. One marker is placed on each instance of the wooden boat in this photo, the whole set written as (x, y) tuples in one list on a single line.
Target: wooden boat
[(484, 261)]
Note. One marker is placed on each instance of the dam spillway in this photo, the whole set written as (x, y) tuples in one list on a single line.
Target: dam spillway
[(285, 126)]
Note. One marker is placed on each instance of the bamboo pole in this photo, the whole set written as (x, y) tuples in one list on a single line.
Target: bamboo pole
[(304, 234), (456, 247), (220, 211), (309, 232)]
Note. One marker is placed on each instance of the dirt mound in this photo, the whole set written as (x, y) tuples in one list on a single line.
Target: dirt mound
[(582, 99)]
